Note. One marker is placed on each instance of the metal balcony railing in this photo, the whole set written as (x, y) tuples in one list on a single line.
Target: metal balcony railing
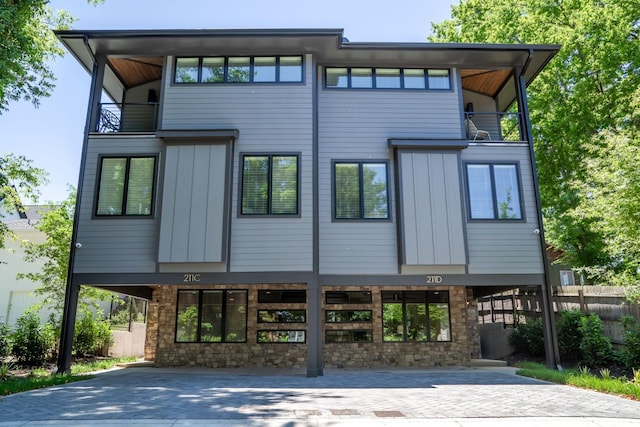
[(494, 127), (128, 117)]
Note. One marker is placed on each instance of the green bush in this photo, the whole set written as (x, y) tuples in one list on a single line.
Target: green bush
[(631, 348), (32, 341), (569, 335), (5, 341), (528, 337), (595, 347), (92, 336)]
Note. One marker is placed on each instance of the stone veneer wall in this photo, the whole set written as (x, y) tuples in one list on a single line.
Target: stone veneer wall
[(161, 330), (401, 354), (473, 325)]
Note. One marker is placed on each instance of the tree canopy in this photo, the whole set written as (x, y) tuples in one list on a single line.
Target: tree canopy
[(579, 105)]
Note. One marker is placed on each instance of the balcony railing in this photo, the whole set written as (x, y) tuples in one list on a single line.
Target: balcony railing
[(494, 127), (127, 117)]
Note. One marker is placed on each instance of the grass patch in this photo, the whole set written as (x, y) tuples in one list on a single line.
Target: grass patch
[(39, 377), (583, 379)]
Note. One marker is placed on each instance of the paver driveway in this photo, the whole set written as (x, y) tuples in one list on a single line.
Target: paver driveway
[(455, 396)]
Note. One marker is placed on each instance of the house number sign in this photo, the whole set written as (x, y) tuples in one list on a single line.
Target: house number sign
[(434, 279), (190, 277)]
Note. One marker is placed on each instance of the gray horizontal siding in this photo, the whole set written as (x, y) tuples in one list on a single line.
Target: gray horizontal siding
[(271, 119), (115, 245), (503, 247)]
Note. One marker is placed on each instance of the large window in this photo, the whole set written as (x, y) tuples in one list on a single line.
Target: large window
[(494, 191), (269, 184), (211, 316), (387, 78), (238, 69), (360, 190), (126, 186), (416, 316)]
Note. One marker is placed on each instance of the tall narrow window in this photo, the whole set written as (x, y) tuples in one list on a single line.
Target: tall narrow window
[(126, 186), (270, 185), (494, 191), (360, 190)]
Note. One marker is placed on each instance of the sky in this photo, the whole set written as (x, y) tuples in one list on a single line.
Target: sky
[(51, 135)]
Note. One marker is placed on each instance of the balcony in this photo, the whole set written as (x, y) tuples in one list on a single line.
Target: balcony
[(129, 117), (494, 127)]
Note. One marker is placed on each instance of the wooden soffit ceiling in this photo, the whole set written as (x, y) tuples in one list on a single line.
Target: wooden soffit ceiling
[(486, 82), (136, 71)]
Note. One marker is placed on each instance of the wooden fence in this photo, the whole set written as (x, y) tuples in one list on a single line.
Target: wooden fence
[(608, 302)]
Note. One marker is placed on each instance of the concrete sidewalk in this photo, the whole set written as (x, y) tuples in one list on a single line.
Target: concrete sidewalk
[(470, 397)]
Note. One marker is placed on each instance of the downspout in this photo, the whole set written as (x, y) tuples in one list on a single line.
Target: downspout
[(72, 287), (552, 352)]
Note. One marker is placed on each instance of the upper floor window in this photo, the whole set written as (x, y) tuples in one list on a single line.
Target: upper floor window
[(494, 191), (269, 184), (238, 69), (360, 190), (126, 186), (387, 78)]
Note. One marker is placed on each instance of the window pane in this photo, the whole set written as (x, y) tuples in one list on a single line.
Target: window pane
[(337, 77), (348, 297), (361, 78), (439, 79), (439, 323), (347, 189), (337, 336), (416, 321), (292, 296), (347, 316), (264, 69), (291, 69), (255, 185), (374, 182), (140, 188), (392, 322), (187, 70), (507, 192), (239, 69), (281, 336), (414, 79), (282, 316), (388, 78), (236, 317), (187, 318), (212, 70), (112, 176), (480, 196), (211, 326), (284, 185)]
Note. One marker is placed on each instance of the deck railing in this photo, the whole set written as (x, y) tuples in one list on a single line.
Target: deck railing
[(494, 127), (127, 117)]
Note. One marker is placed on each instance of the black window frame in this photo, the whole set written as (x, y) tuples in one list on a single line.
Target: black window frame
[(281, 319), (404, 297), (343, 297), (280, 331), (374, 79), (227, 80), (494, 198), (327, 317), (270, 186), (351, 333), (282, 296), (224, 316), (360, 164), (125, 192)]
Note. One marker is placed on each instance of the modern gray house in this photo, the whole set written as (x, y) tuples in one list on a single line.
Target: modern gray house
[(287, 198)]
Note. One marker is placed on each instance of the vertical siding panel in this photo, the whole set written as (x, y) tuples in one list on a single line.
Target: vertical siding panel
[(409, 225), (198, 203), (168, 206), (454, 203), (215, 209), (439, 208)]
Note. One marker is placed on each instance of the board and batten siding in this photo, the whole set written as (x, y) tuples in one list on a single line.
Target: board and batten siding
[(356, 125), (505, 247), (270, 118), (193, 205), (431, 209), (118, 244)]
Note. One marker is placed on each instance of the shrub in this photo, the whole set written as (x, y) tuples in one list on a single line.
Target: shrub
[(92, 336), (569, 335), (595, 347), (631, 348), (528, 337), (5, 342), (32, 341)]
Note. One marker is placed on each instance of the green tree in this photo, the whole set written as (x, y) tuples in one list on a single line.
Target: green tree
[(19, 181), (28, 46), (585, 90), (57, 223)]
